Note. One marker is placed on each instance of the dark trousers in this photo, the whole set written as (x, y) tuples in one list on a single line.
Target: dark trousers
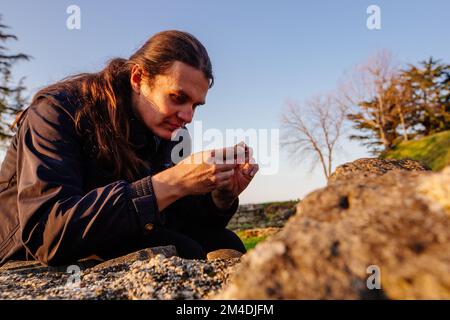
[(191, 241), (195, 244), (190, 244), (193, 236)]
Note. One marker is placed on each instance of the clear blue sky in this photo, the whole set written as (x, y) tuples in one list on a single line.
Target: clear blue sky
[(263, 53)]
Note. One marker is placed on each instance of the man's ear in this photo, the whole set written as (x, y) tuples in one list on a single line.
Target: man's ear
[(136, 78)]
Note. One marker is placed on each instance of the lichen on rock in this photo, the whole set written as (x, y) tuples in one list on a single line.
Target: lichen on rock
[(436, 188)]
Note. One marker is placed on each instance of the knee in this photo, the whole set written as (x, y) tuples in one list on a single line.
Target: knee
[(187, 247), (214, 239), (232, 241), (191, 251)]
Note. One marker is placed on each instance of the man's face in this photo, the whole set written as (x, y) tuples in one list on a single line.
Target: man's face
[(169, 102)]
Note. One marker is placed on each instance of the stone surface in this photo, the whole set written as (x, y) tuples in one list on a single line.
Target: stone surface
[(36, 267), (146, 274), (374, 166), (258, 232), (262, 215), (141, 255), (394, 221), (223, 254)]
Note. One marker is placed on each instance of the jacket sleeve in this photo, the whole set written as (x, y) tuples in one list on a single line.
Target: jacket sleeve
[(197, 211), (60, 223)]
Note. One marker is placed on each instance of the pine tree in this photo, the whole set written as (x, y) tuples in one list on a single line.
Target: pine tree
[(380, 130), (11, 95), (430, 86), (376, 98)]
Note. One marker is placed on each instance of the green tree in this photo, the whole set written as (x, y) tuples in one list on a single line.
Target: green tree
[(11, 94), (375, 99), (389, 105), (380, 130), (430, 99)]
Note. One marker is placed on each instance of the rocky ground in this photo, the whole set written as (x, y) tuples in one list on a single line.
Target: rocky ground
[(142, 276)]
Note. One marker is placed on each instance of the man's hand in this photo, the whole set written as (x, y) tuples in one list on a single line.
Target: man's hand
[(245, 170), (207, 171), (197, 174)]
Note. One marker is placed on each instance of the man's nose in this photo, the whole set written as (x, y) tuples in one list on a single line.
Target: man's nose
[(186, 115)]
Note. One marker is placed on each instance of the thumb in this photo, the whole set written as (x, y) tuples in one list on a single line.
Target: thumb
[(247, 168)]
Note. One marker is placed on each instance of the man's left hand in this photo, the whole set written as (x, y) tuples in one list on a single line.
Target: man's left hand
[(245, 170)]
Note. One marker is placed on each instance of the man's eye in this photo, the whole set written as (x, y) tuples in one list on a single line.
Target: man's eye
[(178, 99)]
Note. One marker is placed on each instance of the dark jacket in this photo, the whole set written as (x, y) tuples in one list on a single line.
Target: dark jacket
[(58, 206)]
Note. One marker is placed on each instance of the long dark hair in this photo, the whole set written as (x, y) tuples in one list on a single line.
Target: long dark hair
[(105, 95)]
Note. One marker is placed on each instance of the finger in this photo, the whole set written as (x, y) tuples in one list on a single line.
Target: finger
[(248, 151), (224, 167), (254, 170), (247, 168), (252, 160), (239, 153), (249, 154), (209, 156), (222, 176), (223, 155), (226, 184), (250, 168)]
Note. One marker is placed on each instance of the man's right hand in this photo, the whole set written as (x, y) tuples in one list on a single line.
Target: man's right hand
[(199, 173), (203, 172)]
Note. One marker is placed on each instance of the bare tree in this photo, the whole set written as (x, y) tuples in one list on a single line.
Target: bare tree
[(375, 99), (314, 129)]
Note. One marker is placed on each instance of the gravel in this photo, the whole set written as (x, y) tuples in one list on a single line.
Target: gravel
[(156, 278)]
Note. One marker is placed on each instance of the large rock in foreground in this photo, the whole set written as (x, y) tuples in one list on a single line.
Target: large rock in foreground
[(392, 226)]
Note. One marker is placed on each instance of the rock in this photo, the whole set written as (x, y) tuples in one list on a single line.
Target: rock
[(266, 215), (20, 265), (258, 232), (223, 254), (153, 273), (392, 226), (374, 166), (141, 255), (27, 267)]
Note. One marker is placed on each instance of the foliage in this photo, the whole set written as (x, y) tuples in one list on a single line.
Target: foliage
[(390, 105), (11, 95), (433, 150)]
